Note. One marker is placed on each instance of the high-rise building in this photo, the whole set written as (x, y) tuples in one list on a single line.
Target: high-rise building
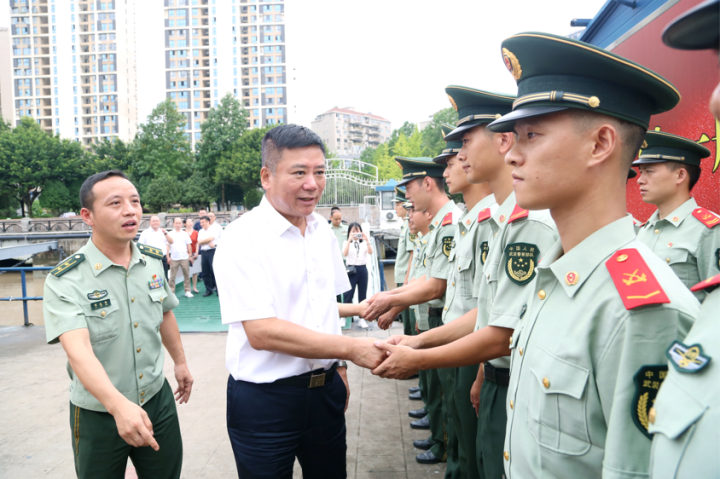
[(74, 67), (215, 47), (348, 132)]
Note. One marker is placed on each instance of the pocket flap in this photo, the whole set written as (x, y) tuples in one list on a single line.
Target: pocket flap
[(101, 309), (464, 262), (676, 255), (558, 376), (675, 410), (158, 295)]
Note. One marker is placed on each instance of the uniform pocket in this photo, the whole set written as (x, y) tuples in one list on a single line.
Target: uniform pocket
[(102, 320), (683, 265), (157, 297), (466, 275), (557, 416)]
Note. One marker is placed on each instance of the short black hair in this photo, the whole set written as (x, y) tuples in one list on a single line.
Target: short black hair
[(206, 218), (439, 181), (351, 226), (693, 171), (87, 198), (334, 208), (287, 137)]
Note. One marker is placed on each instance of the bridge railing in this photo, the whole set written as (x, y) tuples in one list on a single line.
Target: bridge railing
[(25, 298)]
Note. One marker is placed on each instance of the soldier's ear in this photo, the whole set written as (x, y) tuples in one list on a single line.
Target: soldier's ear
[(87, 217)]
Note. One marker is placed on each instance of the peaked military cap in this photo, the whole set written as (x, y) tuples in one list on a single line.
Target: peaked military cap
[(408, 205), (399, 195), (660, 147), (452, 148), (556, 73), (696, 29), (414, 168), (476, 107)]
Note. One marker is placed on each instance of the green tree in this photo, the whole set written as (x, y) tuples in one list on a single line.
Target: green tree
[(162, 192), (432, 138), (110, 154), (409, 146), (197, 190), (241, 164), (385, 161), (252, 198)]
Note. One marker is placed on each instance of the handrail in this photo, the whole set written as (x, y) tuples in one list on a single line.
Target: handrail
[(25, 298)]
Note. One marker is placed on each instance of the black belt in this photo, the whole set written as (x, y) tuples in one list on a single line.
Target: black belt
[(313, 379), (436, 312), (499, 376)]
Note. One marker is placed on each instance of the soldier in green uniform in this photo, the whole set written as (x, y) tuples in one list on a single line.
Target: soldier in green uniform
[(425, 187), (111, 309), (466, 262), (685, 417), (685, 235), (404, 248), (338, 227), (587, 355)]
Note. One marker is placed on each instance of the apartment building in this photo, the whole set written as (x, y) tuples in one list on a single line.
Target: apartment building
[(73, 67), (348, 132)]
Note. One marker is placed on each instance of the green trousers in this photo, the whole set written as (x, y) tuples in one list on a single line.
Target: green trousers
[(435, 403), (408, 328), (465, 421), (447, 382), (100, 451), (492, 419)]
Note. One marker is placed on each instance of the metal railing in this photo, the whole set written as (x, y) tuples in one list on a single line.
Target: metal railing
[(25, 298)]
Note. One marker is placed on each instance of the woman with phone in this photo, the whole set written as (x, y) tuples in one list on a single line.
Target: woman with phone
[(356, 250)]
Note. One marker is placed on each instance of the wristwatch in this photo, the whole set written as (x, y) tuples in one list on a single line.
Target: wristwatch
[(342, 364)]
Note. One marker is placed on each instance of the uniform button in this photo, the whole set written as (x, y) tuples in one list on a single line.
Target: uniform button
[(161, 299), (512, 404), (511, 341), (541, 294), (445, 309), (453, 283), (138, 350), (546, 383), (458, 268), (141, 376), (128, 273), (132, 300), (136, 325), (651, 415), (462, 233), (520, 350), (506, 455), (667, 259), (142, 393), (103, 314), (657, 231), (142, 400), (488, 276)]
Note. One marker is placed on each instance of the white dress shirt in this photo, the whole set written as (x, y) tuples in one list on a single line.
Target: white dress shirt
[(153, 238), (357, 253), (266, 269), (214, 231), (179, 247)]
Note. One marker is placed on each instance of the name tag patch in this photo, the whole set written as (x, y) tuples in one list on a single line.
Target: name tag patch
[(100, 304)]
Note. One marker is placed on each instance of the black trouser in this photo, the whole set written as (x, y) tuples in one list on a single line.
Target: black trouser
[(359, 279), (271, 424), (207, 269), (166, 266)]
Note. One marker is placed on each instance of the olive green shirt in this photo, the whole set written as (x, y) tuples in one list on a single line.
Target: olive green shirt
[(686, 443), (466, 259), (402, 258), (690, 248), (122, 315), (341, 233), (575, 354), (440, 241), (419, 269), (500, 295)]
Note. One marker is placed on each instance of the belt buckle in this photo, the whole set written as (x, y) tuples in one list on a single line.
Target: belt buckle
[(317, 381)]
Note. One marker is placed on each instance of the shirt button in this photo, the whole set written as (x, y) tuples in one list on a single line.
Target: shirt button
[(668, 260), (141, 376), (512, 404), (657, 231), (541, 294), (138, 350), (510, 341), (132, 300), (142, 400), (520, 350), (453, 283), (142, 393), (506, 455), (104, 313), (136, 325), (546, 383), (445, 309)]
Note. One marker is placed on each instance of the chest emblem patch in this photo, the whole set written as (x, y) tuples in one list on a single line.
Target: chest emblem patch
[(95, 295), (520, 262), (105, 303), (155, 282), (647, 380), (447, 245), (687, 359), (484, 248)]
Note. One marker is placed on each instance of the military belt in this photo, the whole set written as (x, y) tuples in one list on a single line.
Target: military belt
[(435, 312), (499, 376)]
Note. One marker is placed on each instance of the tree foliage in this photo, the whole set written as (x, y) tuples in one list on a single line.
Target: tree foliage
[(241, 164), (433, 143), (225, 124)]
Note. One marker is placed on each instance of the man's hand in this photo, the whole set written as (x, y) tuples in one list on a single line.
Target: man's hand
[(363, 309), (134, 425), (400, 364), (386, 320), (403, 340), (379, 304), (343, 375), (185, 382), (475, 395), (365, 354)]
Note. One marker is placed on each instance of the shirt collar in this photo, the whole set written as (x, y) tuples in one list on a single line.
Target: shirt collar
[(574, 267), (501, 215), (472, 215), (447, 208), (278, 222), (678, 216), (99, 262)]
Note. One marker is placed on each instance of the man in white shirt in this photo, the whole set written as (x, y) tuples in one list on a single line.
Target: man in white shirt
[(157, 238), (180, 251), (208, 238), (279, 270)]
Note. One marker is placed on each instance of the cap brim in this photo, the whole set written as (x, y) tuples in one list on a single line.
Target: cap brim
[(457, 133), (442, 158), (696, 29), (632, 173), (506, 123), (648, 161), (405, 181)]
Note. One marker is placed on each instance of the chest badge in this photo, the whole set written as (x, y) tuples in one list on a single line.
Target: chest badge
[(447, 245), (155, 282), (647, 380), (687, 359), (95, 295)]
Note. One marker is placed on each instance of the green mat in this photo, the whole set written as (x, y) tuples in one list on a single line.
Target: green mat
[(198, 314)]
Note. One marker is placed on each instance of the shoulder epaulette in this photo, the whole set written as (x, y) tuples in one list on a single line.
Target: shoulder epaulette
[(484, 214), (634, 280), (447, 220), (150, 251), (67, 264), (712, 281), (706, 217), (517, 214)]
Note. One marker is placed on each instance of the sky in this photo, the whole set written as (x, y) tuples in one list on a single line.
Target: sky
[(394, 58)]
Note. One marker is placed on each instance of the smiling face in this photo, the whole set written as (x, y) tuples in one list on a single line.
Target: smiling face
[(657, 182), (296, 186), (116, 211), (455, 177)]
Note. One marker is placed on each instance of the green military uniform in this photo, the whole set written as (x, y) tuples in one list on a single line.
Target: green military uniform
[(402, 258), (688, 239), (419, 312), (341, 233), (122, 309), (587, 354), (686, 412)]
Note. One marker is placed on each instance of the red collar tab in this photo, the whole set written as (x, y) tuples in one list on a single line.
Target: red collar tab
[(712, 281), (447, 220), (706, 217), (484, 214), (633, 279), (517, 214)]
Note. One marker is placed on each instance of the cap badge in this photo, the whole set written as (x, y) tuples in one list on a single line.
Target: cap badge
[(644, 145), (571, 278), (452, 102), (512, 64), (594, 102)]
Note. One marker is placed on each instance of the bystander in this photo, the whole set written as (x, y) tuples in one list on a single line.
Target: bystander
[(180, 251), (201, 212), (156, 237), (208, 238), (195, 263)]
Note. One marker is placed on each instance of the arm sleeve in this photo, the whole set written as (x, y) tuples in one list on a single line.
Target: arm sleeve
[(342, 283), (440, 266), (640, 341), (60, 311), (171, 301), (245, 292), (709, 253)]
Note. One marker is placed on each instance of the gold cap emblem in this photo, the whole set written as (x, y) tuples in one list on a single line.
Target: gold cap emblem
[(644, 145), (452, 102), (594, 102), (512, 64)]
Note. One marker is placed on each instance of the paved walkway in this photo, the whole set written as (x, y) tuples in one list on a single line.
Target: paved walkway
[(34, 416)]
